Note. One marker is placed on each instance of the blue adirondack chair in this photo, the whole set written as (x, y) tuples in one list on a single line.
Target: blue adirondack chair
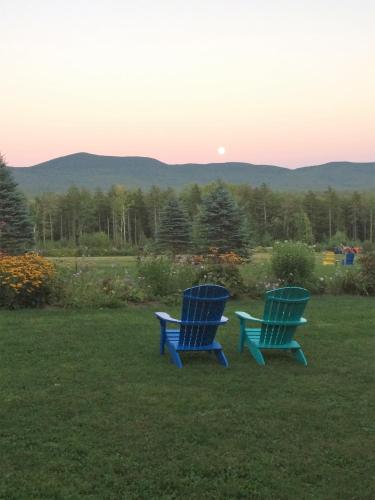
[(282, 315), (348, 259), (202, 314)]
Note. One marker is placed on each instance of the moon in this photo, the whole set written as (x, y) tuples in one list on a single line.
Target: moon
[(221, 150)]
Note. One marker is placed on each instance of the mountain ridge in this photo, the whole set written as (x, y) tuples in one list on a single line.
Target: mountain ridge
[(98, 171)]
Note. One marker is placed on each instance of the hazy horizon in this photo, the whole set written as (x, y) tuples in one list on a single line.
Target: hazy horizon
[(276, 83), (182, 163)]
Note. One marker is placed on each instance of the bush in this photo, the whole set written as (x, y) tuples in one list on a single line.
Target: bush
[(227, 275), (161, 277), (94, 244), (317, 285), (25, 280), (85, 288), (292, 263), (338, 239), (57, 249), (367, 275), (220, 268), (368, 247), (345, 280)]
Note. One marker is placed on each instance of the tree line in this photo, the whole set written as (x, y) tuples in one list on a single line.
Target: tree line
[(128, 218), (229, 217)]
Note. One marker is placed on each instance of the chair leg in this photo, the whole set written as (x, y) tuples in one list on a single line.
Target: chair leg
[(175, 356), (299, 356), (257, 355), (219, 353), (241, 341), (242, 338), (162, 337)]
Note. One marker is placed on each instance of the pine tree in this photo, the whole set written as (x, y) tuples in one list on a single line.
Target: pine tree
[(174, 230), (16, 232), (220, 221), (192, 199)]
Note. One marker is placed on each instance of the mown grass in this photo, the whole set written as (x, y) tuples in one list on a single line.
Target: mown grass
[(90, 410)]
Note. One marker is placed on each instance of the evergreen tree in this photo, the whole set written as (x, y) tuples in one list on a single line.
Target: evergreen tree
[(174, 230), (192, 199), (220, 221), (16, 232)]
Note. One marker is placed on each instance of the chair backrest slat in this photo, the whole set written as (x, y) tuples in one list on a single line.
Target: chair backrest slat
[(283, 306), (202, 309)]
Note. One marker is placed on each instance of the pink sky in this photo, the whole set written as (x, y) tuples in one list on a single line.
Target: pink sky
[(273, 82)]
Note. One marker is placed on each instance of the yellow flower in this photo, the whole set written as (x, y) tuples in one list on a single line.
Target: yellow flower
[(25, 272)]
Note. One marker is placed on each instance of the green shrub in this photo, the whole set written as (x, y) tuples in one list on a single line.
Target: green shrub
[(367, 274), (345, 280), (368, 247), (292, 263), (317, 285), (154, 275), (161, 277), (96, 244), (85, 289), (58, 248), (338, 239), (227, 275)]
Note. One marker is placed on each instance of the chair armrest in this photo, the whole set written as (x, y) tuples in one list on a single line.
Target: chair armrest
[(204, 322), (163, 316), (297, 322), (243, 315)]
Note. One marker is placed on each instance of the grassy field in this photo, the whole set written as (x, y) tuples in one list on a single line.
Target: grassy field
[(115, 266), (90, 410), (110, 266)]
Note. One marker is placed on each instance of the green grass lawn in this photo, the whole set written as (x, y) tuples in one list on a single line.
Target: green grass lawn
[(90, 410)]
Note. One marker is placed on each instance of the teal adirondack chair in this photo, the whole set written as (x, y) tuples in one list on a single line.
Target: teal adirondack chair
[(282, 315)]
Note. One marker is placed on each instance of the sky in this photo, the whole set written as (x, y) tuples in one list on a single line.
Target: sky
[(283, 82)]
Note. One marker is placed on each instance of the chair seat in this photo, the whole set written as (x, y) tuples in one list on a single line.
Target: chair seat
[(253, 335), (173, 336)]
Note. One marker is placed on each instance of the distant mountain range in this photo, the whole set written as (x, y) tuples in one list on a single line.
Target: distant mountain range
[(94, 171)]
